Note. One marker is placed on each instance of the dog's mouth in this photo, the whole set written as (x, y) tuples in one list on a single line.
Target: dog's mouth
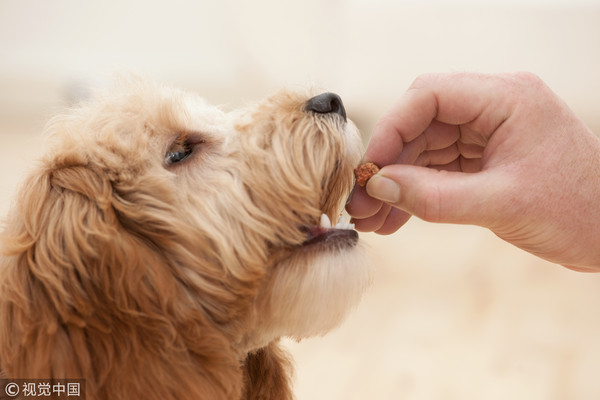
[(341, 235)]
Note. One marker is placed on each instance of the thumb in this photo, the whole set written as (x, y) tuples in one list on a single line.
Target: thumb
[(437, 195)]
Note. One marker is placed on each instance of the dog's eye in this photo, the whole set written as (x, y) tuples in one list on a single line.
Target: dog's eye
[(183, 147), (178, 153)]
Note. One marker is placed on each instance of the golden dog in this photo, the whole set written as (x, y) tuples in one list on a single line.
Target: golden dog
[(162, 246)]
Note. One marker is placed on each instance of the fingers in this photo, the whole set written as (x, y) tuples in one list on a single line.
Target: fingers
[(402, 124), (438, 196), (384, 222), (360, 205), (371, 215), (438, 157), (373, 222), (443, 122), (394, 220), (470, 150), (442, 105), (437, 136)]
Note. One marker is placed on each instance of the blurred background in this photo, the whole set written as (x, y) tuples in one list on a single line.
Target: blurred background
[(454, 313)]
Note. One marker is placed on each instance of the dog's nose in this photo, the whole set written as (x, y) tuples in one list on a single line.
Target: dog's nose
[(326, 103)]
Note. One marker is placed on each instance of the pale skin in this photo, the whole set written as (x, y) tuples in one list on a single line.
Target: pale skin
[(500, 151)]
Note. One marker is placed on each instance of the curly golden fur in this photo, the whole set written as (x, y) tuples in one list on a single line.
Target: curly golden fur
[(159, 249)]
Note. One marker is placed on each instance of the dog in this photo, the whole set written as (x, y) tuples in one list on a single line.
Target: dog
[(162, 247)]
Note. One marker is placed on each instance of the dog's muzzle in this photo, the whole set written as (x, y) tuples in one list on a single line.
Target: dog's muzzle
[(325, 235)]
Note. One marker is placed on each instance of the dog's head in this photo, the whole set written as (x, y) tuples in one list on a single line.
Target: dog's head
[(159, 228)]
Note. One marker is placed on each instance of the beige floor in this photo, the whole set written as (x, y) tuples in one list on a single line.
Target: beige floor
[(454, 313)]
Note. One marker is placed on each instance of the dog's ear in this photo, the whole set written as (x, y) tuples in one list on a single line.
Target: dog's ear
[(266, 374), (85, 293)]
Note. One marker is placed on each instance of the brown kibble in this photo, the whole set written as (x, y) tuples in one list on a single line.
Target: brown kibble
[(364, 172)]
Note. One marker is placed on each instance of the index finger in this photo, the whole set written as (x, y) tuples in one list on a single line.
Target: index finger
[(454, 99)]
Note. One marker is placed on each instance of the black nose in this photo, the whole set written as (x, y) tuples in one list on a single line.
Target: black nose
[(326, 103)]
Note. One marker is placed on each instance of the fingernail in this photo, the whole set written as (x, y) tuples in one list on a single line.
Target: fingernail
[(384, 189)]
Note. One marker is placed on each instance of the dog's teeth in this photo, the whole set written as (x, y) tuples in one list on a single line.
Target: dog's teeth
[(325, 221), (343, 224), (346, 226)]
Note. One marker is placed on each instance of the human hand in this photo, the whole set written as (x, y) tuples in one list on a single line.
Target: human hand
[(498, 151)]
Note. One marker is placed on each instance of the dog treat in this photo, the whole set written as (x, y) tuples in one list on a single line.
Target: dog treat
[(364, 172)]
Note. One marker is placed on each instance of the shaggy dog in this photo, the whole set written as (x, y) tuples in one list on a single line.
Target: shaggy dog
[(162, 246)]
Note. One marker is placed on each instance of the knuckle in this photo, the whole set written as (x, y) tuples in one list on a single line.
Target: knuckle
[(527, 80), (424, 80), (531, 91), (382, 123)]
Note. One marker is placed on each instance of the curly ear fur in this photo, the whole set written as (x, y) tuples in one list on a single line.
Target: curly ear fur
[(86, 293), (267, 374)]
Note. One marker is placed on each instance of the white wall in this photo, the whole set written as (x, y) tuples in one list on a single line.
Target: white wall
[(235, 50)]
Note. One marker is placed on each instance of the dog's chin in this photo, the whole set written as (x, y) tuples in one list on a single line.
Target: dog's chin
[(312, 288), (326, 284)]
